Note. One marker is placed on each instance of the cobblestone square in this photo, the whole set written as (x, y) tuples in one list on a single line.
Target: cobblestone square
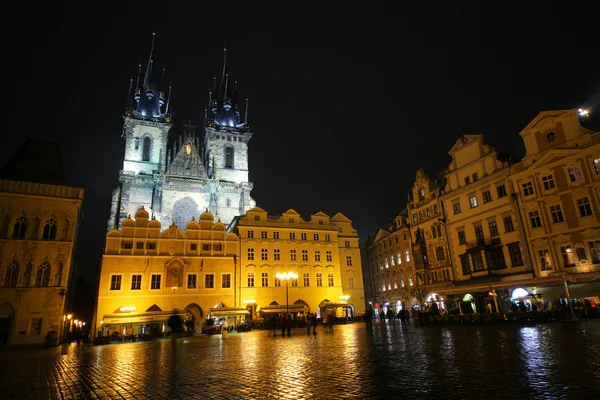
[(550, 361)]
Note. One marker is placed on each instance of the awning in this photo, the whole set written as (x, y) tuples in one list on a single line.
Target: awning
[(228, 311), (582, 290), (551, 292), (282, 309), (146, 318), (333, 304)]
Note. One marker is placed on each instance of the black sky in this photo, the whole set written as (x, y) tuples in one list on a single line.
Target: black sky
[(346, 103)]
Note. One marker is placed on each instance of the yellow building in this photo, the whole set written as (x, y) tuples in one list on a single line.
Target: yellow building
[(483, 221), (322, 252), (37, 241), (557, 183), (390, 269), (433, 268), (148, 275)]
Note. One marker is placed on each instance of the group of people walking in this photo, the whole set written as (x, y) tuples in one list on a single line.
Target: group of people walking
[(403, 316)]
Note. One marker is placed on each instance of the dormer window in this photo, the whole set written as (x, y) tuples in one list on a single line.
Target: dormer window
[(550, 136)]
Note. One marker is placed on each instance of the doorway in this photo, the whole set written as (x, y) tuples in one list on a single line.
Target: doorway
[(7, 314)]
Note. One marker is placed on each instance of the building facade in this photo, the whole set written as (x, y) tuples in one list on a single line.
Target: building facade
[(323, 253), (390, 267), (179, 177), (431, 258), (40, 220)]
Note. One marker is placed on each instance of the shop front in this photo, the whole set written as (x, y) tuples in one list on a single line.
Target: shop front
[(229, 318), (130, 326)]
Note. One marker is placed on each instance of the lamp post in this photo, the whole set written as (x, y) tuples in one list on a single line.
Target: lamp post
[(286, 276)]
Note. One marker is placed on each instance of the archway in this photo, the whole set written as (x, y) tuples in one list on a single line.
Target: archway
[(7, 315), (195, 314)]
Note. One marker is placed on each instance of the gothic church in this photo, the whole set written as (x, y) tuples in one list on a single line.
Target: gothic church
[(179, 178)]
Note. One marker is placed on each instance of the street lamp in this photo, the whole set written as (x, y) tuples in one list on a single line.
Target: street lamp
[(287, 276)]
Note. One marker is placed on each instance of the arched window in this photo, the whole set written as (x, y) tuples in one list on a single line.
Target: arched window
[(42, 276), (50, 230), (229, 157), (146, 149), (12, 274), (20, 228)]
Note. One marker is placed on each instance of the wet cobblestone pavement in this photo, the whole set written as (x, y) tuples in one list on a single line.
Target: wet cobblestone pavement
[(551, 361)]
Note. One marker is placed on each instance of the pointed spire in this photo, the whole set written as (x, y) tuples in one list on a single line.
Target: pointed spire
[(246, 112), (137, 83), (129, 94), (149, 67), (168, 100), (222, 92)]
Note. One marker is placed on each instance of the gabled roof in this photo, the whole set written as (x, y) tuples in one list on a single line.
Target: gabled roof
[(340, 217), (381, 233), (291, 211), (553, 155), (463, 140), (320, 214), (256, 210), (544, 115)]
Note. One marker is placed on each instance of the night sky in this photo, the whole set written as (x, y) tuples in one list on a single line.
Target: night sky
[(345, 104)]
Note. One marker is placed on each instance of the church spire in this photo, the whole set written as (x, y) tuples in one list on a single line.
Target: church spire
[(150, 62)]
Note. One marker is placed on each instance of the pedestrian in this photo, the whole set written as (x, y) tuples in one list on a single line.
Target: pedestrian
[(308, 323), (369, 318), (330, 321), (283, 321), (314, 323)]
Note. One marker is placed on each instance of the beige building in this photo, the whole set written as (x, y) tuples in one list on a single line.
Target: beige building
[(391, 272), (483, 221), (557, 183), (322, 252), (40, 219), (149, 274), (431, 258)]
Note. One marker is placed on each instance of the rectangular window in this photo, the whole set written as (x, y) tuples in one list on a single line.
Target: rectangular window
[(276, 235), (139, 246), (250, 279), (348, 261), (276, 254), (439, 253), (155, 282), (209, 281), (136, 282), (319, 279), (475, 177), (584, 207), (527, 188), (151, 246), (206, 247), (438, 228), (567, 256), (433, 232), (501, 191), (315, 237), (294, 282), (495, 258), (407, 255), (330, 279), (514, 250), (487, 196), (36, 326), (420, 215), (464, 262), (226, 281), (250, 234), (414, 217), (250, 254), (292, 235), (544, 260), (435, 208), (574, 174), (351, 282), (304, 255), (428, 212), (347, 243), (596, 164), (277, 282), (306, 278), (534, 219), (473, 201), (328, 237), (263, 234), (548, 182), (557, 215), (467, 180), (508, 224), (317, 255), (477, 261), (303, 236), (128, 245), (581, 253), (493, 228), (456, 207), (595, 251), (193, 246), (264, 279), (192, 281), (293, 255), (479, 232), (115, 282), (328, 256), (264, 254), (462, 239)]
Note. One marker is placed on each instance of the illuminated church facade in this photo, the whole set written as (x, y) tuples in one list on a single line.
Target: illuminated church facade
[(179, 178)]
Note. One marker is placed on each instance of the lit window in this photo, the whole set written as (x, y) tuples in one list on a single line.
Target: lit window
[(596, 164), (473, 201)]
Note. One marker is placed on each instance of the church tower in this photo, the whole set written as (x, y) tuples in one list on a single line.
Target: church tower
[(177, 177)]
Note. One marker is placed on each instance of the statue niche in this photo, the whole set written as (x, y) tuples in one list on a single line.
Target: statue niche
[(175, 275)]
